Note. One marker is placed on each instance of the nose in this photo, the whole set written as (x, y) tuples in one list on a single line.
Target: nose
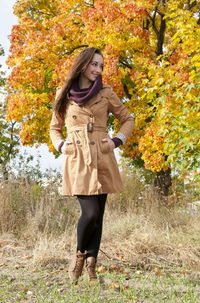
[(99, 69)]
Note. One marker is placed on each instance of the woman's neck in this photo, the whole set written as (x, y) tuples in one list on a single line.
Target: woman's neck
[(84, 82)]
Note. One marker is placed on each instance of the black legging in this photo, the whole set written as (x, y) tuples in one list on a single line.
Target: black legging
[(90, 223)]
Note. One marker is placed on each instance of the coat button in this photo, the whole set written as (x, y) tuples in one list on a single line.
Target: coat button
[(91, 116), (74, 117), (92, 142), (78, 142)]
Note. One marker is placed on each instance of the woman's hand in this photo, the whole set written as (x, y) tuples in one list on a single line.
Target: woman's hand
[(65, 147), (110, 142)]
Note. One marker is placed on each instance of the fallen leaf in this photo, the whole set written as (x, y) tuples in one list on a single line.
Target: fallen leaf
[(114, 267), (138, 272), (17, 266), (115, 285), (22, 288), (94, 283), (60, 289), (55, 272), (157, 271), (101, 269), (65, 269), (27, 257)]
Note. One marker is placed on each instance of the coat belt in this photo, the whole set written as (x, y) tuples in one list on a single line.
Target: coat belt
[(90, 127), (87, 128)]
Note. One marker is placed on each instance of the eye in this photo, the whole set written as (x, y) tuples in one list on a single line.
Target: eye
[(96, 64)]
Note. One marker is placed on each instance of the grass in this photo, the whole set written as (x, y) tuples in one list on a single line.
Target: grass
[(150, 251), (131, 286)]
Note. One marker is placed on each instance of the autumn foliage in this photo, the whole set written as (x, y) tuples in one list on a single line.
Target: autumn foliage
[(152, 60)]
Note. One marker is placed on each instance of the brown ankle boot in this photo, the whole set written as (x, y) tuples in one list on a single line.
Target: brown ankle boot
[(90, 265), (76, 267)]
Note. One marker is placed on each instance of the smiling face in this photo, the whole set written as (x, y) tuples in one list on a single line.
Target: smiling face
[(93, 70)]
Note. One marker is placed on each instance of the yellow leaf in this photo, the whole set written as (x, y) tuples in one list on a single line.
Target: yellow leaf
[(101, 269)]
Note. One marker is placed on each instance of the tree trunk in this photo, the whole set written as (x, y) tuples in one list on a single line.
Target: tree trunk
[(162, 182), (4, 172)]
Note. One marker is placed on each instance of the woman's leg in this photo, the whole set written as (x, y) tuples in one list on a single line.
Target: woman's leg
[(95, 240), (89, 228), (86, 225)]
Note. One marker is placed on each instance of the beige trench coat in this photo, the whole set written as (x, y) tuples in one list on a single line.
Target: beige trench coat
[(89, 166)]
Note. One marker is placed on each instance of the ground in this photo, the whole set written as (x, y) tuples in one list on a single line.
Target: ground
[(25, 278)]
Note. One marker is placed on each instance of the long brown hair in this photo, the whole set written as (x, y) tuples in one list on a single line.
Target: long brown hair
[(80, 65)]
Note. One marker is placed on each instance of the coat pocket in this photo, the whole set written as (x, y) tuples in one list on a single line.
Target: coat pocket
[(70, 149), (104, 146)]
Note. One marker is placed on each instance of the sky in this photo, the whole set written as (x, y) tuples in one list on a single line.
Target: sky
[(7, 20)]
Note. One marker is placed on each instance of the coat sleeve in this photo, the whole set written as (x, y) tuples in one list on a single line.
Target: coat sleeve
[(56, 126), (126, 120)]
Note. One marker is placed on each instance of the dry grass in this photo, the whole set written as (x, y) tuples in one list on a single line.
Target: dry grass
[(144, 243), (35, 209), (150, 234), (138, 228)]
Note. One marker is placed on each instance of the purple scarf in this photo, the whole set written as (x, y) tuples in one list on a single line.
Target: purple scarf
[(81, 96)]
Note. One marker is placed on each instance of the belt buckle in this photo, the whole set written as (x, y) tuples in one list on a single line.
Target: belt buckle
[(90, 127)]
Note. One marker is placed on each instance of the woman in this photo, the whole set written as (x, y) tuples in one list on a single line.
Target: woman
[(90, 170)]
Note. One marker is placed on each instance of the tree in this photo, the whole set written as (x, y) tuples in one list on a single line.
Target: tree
[(151, 50), (9, 138)]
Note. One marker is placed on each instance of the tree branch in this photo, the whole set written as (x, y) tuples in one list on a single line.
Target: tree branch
[(153, 22), (163, 2), (90, 5), (198, 22), (190, 6), (125, 63), (126, 91), (159, 12), (38, 11), (160, 33), (76, 47), (12, 143), (160, 37)]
